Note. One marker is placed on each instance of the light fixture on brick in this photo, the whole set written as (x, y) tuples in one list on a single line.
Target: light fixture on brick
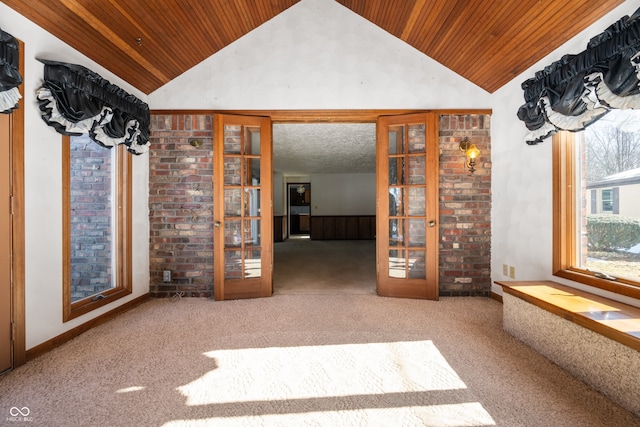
[(196, 142), (471, 153)]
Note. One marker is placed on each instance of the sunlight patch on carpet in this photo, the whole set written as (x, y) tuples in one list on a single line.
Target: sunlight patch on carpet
[(304, 372)]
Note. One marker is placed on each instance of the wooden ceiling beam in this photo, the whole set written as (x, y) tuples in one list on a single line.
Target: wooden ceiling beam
[(98, 24)]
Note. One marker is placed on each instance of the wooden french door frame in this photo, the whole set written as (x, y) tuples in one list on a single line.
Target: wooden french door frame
[(243, 207), (330, 116), (407, 211), (16, 172)]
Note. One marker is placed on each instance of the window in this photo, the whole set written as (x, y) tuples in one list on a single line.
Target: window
[(607, 200), (599, 167), (97, 225)]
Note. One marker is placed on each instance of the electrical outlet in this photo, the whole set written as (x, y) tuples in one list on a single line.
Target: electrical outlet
[(166, 276), (512, 272), (505, 269)]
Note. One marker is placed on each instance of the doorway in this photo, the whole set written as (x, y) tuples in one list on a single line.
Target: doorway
[(407, 149), (299, 209), (329, 182)]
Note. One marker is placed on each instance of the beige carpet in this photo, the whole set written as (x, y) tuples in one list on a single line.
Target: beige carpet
[(303, 266), (303, 360)]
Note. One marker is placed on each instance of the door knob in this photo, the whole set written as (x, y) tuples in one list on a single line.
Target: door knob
[(217, 223), (432, 223)]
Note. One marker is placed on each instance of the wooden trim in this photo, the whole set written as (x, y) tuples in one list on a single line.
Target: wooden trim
[(218, 208), (57, 341), (18, 251), (495, 296), (123, 198), (321, 116), (565, 212), (580, 307)]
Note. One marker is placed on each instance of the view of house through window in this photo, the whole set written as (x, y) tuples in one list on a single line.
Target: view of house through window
[(608, 160), (92, 217)]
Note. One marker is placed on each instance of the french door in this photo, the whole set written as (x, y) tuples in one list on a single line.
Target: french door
[(407, 206), (243, 207)]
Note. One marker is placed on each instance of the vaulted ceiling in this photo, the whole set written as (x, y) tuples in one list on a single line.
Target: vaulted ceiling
[(150, 42)]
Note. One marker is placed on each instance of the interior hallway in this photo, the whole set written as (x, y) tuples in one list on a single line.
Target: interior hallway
[(304, 266)]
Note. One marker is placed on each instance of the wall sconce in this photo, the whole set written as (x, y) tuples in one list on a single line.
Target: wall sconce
[(471, 153), (196, 142), (301, 189)]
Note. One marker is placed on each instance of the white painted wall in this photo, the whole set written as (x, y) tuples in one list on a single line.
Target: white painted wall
[(315, 55), (318, 55), (521, 177), (343, 194), (43, 192)]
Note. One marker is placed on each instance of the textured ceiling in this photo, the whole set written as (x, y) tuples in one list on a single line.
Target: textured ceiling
[(324, 148)]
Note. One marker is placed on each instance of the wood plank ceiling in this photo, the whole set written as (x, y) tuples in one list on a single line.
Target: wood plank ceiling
[(149, 42)]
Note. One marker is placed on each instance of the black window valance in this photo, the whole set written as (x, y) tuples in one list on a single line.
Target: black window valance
[(577, 90), (10, 77), (76, 101)]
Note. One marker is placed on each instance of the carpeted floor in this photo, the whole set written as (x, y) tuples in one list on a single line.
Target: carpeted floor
[(303, 266), (323, 351), (294, 360)]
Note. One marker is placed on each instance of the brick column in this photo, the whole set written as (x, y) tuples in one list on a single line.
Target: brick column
[(465, 207), (181, 205)]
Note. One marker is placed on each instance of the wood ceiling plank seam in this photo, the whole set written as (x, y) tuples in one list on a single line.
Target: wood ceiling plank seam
[(511, 42), (229, 31), (148, 44), (423, 25), (71, 25), (534, 48), (538, 46), (211, 37), (244, 14), (199, 37), (479, 29), (395, 17), (236, 25), (271, 9), (402, 15), (182, 35), (265, 10), (500, 45), (451, 26), (86, 15), (147, 37), (416, 9), (433, 25)]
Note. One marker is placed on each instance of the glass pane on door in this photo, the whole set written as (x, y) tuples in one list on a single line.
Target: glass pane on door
[(407, 200), (242, 210)]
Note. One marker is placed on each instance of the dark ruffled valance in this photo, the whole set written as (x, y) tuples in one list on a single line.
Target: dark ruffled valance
[(10, 77), (577, 90), (76, 101)]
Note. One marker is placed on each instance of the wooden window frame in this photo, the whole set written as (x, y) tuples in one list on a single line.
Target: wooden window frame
[(565, 216), (122, 262)]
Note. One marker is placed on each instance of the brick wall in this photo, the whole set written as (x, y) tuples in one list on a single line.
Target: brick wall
[(465, 207), (91, 219), (181, 205)]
